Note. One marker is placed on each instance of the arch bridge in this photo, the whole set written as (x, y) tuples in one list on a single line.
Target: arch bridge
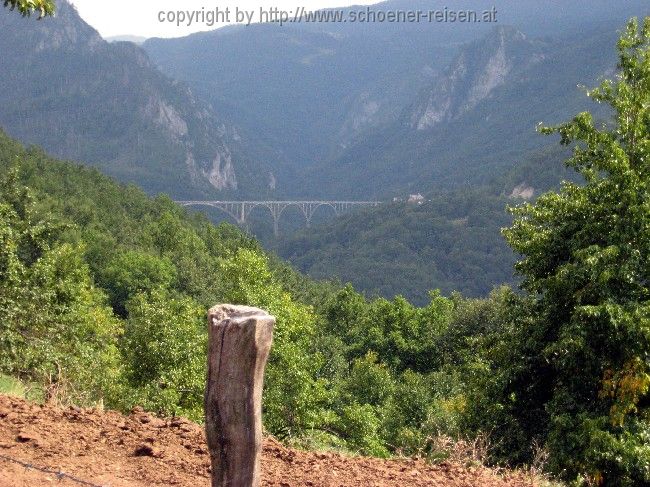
[(241, 210)]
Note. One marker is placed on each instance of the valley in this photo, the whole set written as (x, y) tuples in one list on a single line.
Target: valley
[(312, 112), (445, 225)]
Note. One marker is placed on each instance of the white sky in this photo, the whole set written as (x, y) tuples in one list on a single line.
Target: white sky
[(140, 17)]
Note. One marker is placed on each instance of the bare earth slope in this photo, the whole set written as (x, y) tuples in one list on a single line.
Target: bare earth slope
[(109, 449)]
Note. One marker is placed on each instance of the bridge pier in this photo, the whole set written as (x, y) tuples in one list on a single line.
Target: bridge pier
[(242, 215)]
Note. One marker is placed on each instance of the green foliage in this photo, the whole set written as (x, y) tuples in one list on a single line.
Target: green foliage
[(14, 387), (586, 262), (489, 339), (164, 347), (369, 381), (401, 335), (133, 272), (160, 267), (406, 375), (55, 326), (27, 7), (361, 426)]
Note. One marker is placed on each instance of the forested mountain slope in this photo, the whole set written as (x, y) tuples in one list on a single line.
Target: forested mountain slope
[(82, 98), (477, 119), (344, 107), (305, 94), (304, 110), (452, 241)]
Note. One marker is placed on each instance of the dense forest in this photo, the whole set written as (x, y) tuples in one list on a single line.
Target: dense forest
[(104, 291), (450, 241)]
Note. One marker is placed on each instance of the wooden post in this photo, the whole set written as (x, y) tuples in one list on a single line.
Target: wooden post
[(239, 341)]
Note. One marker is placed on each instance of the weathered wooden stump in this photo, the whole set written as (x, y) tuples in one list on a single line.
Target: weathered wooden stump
[(239, 341)]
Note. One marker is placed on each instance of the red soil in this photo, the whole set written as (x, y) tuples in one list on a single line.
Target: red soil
[(109, 449)]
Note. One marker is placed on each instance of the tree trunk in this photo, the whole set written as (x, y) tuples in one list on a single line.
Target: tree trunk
[(239, 341)]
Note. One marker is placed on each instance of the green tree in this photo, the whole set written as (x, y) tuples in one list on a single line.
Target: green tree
[(164, 349), (133, 272), (55, 326), (586, 262), (28, 7)]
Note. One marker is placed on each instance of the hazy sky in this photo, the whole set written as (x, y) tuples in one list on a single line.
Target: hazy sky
[(141, 17)]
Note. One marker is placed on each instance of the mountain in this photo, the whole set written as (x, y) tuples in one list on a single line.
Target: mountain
[(329, 110), (477, 71), (304, 94), (81, 98), (346, 108), (548, 18), (476, 119)]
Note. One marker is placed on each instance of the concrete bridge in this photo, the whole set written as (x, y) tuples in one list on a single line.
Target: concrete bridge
[(241, 210)]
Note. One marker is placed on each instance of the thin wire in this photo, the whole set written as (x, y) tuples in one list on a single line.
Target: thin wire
[(59, 474)]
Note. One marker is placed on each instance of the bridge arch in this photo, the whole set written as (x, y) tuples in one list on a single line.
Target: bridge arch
[(310, 210), (230, 210)]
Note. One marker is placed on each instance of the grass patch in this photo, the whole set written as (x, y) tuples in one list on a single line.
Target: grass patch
[(11, 386)]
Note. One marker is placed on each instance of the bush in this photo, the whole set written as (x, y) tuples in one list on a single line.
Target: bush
[(164, 354)]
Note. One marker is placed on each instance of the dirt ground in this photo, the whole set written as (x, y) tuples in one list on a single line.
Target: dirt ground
[(108, 449)]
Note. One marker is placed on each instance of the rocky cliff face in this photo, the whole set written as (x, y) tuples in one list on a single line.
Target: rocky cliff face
[(479, 69), (85, 99)]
